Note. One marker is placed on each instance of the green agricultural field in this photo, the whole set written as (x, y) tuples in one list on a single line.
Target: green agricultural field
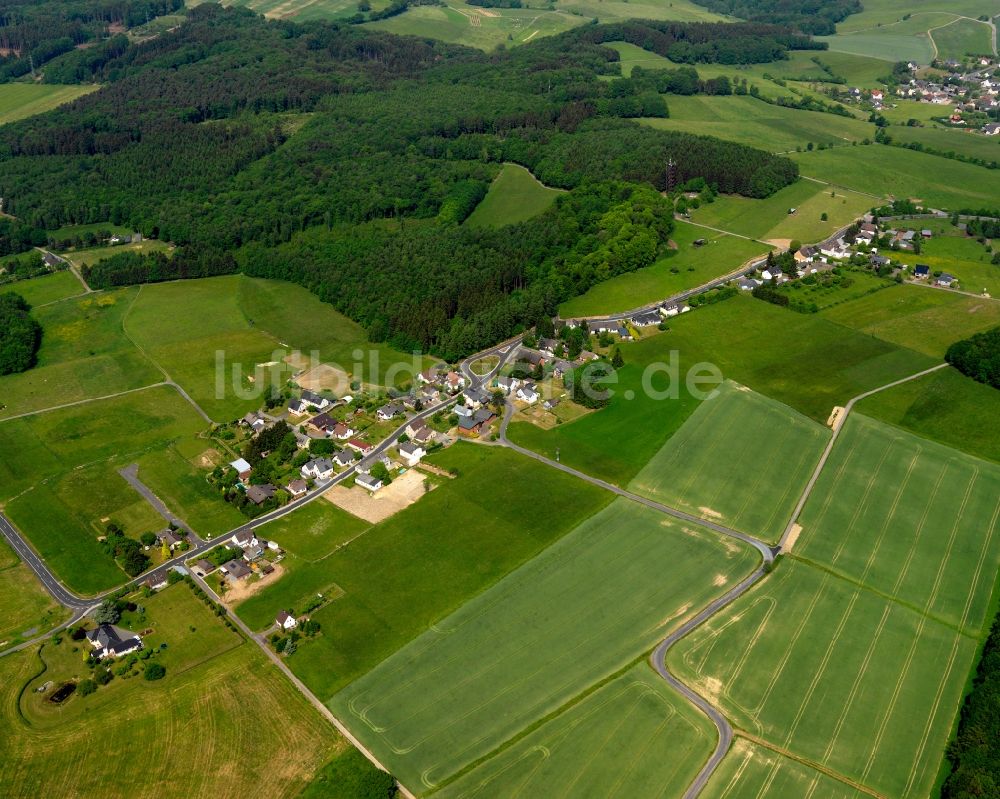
[(224, 339), (945, 406), (517, 653), (26, 609), (468, 533), (882, 170), (60, 479), (316, 530), (902, 111), (802, 360), (770, 219), (680, 269), (72, 231), (913, 520), (514, 196), (763, 76), (483, 28), (217, 689), (751, 771), (180, 482), (46, 289), (632, 737), (917, 317), (834, 673), (84, 354), (741, 460), (295, 317), (963, 142), (961, 38), (888, 592), (748, 120), (830, 290), (20, 100), (95, 254), (892, 47)]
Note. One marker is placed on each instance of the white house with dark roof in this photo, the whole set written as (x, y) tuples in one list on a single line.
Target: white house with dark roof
[(285, 620), (111, 641), (411, 453), (317, 469), (315, 400), (373, 484), (343, 459)]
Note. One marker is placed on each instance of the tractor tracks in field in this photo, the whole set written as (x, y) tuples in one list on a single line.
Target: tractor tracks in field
[(768, 553)]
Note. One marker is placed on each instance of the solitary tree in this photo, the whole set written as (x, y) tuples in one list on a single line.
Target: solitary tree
[(107, 612)]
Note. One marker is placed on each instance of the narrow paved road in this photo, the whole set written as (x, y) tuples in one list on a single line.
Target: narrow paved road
[(131, 475)]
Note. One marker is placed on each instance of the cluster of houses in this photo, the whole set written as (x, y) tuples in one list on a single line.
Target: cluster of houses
[(965, 89), (251, 561)]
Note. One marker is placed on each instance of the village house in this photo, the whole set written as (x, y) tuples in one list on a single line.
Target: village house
[(366, 466), (317, 469), (245, 539), (297, 488), (258, 495), (549, 346), (343, 459), (413, 426), (256, 422), (527, 392), (315, 400), (462, 410), (111, 641), (921, 271), (945, 280), (298, 408), (411, 453), (507, 384), (235, 570), (285, 620), (473, 425), (646, 319), (342, 431), (243, 469), (170, 538), (368, 482), (389, 411), (454, 382), (323, 424), (204, 567), (476, 398), (423, 436), (360, 446), (530, 357)]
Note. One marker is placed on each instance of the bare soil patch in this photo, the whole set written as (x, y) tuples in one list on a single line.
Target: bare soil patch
[(401, 493), (836, 417), (793, 536), (325, 377), (782, 243), (245, 589)]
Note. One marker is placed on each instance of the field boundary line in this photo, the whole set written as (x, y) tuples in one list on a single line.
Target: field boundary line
[(853, 581), (161, 384), (829, 772)]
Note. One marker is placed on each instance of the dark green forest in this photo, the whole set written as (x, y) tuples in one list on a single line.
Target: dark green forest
[(978, 357), (20, 335), (346, 159), (818, 17), (975, 753), (35, 32)]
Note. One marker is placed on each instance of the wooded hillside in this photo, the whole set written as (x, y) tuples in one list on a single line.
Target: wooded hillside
[(234, 134)]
